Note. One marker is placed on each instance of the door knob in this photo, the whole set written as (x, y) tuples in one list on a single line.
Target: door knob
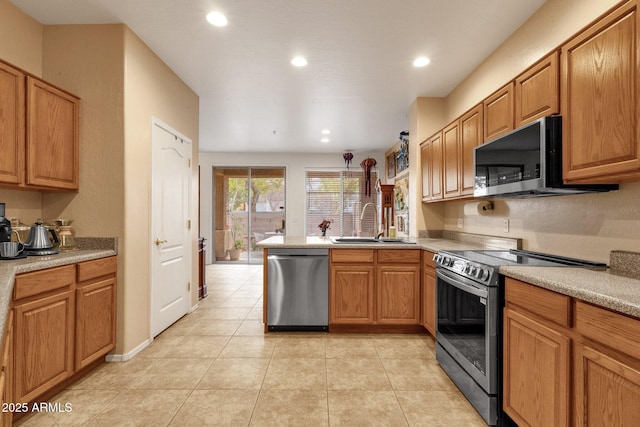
[(159, 242)]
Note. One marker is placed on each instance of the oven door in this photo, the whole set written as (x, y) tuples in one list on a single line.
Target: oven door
[(467, 326)]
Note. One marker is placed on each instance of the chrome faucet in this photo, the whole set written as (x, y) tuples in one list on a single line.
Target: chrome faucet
[(376, 234)]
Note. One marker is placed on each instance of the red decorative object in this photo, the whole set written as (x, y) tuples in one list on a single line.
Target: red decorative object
[(366, 165), (324, 226), (347, 159)]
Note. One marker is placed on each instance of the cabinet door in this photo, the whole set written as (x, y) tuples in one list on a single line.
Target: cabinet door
[(425, 167), (52, 140), (451, 155), (95, 321), (429, 300), (536, 372), (607, 390), (498, 112), (599, 86), (537, 91), (352, 288), (436, 167), (6, 374), (470, 137), (12, 133), (398, 295), (43, 339)]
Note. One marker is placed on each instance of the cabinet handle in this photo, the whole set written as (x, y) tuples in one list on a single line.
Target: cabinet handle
[(159, 242)]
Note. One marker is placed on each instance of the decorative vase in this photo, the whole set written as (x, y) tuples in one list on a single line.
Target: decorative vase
[(324, 233), (234, 254)]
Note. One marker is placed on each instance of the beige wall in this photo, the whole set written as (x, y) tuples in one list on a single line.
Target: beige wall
[(151, 89), (20, 38), (122, 84), (21, 45), (585, 226)]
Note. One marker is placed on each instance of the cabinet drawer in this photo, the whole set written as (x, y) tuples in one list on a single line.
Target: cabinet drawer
[(352, 255), (546, 304), (99, 267), (403, 256), (30, 284), (608, 327)]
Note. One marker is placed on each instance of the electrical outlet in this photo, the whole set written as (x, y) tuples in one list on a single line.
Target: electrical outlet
[(460, 223), (505, 225)]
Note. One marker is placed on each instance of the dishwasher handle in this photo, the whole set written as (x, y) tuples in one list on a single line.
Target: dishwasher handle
[(295, 256)]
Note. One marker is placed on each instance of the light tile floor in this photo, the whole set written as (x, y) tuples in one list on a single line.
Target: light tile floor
[(217, 367)]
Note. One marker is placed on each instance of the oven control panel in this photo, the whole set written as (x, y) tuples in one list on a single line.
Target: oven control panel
[(464, 267)]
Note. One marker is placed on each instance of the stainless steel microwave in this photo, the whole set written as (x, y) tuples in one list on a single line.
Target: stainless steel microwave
[(526, 162)]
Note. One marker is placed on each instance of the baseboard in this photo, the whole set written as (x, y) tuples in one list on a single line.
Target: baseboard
[(127, 356)]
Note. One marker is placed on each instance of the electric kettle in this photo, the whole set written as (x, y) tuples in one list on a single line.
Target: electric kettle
[(39, 238)]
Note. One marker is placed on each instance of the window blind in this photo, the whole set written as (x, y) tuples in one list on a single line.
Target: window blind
[(339, 196)]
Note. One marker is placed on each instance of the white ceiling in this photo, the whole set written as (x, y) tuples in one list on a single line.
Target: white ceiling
[(359, 82)]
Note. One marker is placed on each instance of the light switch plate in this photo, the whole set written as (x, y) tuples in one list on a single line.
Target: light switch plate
[(505, 225), (460, 223)]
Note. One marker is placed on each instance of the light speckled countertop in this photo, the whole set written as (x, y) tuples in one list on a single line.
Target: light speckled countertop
[(430, 244), (604, 288), (598, 287), (88, 249)]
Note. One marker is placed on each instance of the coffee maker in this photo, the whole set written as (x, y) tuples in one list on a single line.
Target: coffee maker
[(5, 226)]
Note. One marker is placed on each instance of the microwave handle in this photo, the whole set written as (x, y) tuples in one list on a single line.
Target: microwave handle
[(482, 293)]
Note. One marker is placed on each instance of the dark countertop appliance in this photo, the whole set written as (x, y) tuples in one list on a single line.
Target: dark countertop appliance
[(5, 225), (526, 162), (470, 300)]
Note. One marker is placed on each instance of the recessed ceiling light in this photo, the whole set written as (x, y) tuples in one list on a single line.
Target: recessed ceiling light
[(324, 140), (217, 19), (325, 132), (421, 61), (299, 61)]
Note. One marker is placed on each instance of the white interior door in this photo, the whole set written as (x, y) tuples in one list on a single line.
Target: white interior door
[(170, 226)]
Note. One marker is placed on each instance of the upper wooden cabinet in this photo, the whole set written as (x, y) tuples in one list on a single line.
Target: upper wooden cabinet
[(425, 162), (470, 137), (498, 112), (450, 160), (537, 91), (12, 130), (599, 88), (448, 170), (39, 133), (431, 157), (52, 136)]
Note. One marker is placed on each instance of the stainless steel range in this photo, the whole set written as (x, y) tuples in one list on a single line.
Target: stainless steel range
[(470, 298)]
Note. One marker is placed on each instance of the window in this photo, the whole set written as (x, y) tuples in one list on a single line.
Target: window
[(339, 196)]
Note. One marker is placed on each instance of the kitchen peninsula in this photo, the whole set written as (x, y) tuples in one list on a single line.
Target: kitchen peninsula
[(612, 289)]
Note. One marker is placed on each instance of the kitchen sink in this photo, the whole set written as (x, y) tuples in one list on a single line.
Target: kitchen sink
[(368, 240)]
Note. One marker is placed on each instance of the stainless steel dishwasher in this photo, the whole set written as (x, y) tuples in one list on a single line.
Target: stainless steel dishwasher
[(298, 289)]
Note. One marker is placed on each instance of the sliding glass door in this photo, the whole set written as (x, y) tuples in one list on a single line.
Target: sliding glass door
[(249, 206)]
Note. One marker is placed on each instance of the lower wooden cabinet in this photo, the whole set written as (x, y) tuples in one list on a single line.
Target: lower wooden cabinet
[(429, 293), (352, 294), (95, 310), (375, 287), (6, 372), (536, 366), (568, 362), (43, 356), (64, 319), (607, 389), (398, 294)]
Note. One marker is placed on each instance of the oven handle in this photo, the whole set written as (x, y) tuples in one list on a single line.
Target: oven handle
[(482, 293)]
